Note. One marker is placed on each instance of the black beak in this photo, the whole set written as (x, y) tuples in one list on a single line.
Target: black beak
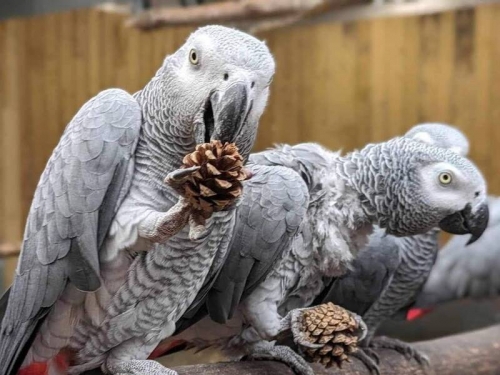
[(465, 222), (229, 111)]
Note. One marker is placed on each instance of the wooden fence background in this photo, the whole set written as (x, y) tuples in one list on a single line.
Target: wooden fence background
[(341, 84)]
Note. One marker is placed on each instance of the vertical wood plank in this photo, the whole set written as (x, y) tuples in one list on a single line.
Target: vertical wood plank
[(342, 85), (11, 143)]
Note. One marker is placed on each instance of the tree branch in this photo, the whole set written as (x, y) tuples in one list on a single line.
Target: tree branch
[(233, 12), (473, 353)]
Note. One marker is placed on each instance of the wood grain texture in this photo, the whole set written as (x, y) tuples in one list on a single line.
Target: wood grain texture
[(473, 353), (340, 84)]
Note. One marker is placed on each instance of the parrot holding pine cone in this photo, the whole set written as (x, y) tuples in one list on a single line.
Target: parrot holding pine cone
[(108, 264)]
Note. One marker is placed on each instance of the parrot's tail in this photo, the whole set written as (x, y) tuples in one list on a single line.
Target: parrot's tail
[(416, 313), (168, 347), (57, 366)]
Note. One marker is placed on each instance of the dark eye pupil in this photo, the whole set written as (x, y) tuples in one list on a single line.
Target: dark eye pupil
[(193, 56)]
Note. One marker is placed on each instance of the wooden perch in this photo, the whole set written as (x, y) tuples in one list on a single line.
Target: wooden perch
[(8, 250), (473, 353), (234, 12)]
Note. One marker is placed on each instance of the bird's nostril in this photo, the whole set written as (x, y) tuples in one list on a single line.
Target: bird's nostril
[(253, 84), (226, 76), (476, 194)]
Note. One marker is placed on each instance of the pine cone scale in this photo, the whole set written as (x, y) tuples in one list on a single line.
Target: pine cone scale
[(334, 327), (217, 183)]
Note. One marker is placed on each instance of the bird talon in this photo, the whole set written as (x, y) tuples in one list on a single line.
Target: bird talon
[(179, 176), (299, 337)]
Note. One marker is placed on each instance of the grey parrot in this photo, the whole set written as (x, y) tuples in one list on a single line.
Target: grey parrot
[(463, 271), (389, 272), (103, 276), (265, 285)]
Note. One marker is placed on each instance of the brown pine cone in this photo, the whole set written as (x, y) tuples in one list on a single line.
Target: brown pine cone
[(217, 184), (333, 326)]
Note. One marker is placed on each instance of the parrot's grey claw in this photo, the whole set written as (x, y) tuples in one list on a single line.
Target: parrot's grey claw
[(179, 176), (401, 347), (268, 351), (363, 329), (373, 354), (299, 336), (367, 360)]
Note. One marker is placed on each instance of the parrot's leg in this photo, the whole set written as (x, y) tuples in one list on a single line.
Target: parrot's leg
[(160, 226), (138, 367), (269, 351), (126, 358), (400, 346)]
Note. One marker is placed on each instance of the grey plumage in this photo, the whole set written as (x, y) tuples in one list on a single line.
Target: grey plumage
[(346, 195), (270, 214), (101, 204), (61, 238), (385, 277), (389, 273)]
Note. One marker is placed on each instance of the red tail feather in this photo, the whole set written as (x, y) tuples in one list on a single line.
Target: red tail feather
[(416, 313), (60, 363), (165, 347)]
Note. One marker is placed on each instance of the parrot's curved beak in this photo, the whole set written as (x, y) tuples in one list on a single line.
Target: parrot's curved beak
[(467, 222), (230, 109)]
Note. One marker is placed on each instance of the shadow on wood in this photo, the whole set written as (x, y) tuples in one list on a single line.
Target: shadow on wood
[(472, 353)]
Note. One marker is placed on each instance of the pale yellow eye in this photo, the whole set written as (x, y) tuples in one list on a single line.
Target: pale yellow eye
[(193, 57), (445, 178)]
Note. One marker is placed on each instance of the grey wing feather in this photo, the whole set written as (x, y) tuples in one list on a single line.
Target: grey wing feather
[(368, 276), (466, 271), (74, 203), (272, 209)]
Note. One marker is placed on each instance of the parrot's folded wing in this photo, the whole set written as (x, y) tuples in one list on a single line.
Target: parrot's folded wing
[(370, 273), (272, 208), (270, 215), (73, 206)]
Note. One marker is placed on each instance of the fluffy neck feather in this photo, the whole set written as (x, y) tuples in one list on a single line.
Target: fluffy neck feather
[(338, 221)]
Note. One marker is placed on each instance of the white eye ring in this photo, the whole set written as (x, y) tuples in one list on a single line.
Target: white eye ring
[(193, 57), (445, 178)]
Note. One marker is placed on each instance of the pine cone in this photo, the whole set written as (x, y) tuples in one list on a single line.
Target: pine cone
[(217, 184), (333, 326)]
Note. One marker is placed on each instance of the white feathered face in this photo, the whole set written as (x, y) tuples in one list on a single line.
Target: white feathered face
[(227, 74)]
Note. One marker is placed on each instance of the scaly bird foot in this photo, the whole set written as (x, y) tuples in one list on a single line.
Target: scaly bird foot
[(402, 347), (137, 367), (269, 351), (293, 321), (365, 355)]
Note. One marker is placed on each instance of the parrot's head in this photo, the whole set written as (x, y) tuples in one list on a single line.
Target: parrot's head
[(219, 82), (411, 187), (440, 135)]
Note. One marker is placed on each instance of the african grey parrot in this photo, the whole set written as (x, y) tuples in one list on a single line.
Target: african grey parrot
[(389, 272), (101, 280), (463, 271), (269, 277)]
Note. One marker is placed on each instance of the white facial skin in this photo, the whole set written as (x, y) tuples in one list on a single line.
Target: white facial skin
[(451, 189), (210, 63)]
